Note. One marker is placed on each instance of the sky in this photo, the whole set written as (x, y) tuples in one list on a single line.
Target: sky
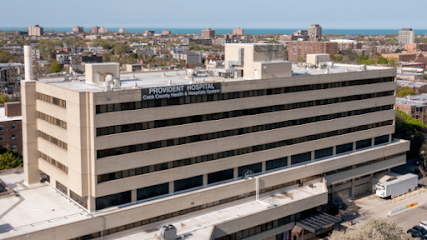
[(272, 14)]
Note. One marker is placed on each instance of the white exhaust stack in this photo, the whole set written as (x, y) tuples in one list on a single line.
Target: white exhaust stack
[(28, 61)]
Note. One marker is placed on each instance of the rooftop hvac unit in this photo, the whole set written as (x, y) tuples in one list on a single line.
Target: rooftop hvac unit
[(168, 232)]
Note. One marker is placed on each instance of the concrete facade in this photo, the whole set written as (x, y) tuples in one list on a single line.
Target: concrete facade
[(106, 136), (406, 36)]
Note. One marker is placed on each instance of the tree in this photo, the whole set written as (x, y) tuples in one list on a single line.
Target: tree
[(410, 129), (120, 49), (373, 229), (300, 58), (405, 92), (10, 159), (106, 56), (3, 98), (5, 56), (54, 67), (382, 60), (361, 59)]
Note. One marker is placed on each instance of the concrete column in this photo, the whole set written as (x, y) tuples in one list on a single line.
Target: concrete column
[(289, 161), (29, 132), (354, 146), (264, 166), (390, 138), (370, 181), (91, 204), (205, 179), (334, 150), (312, 155), (236, 172), (133, 195), (352, 188), (171, 187), (170, 165), (372, 141)]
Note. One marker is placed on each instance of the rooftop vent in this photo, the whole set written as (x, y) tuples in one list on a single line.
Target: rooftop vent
[(168, 232)]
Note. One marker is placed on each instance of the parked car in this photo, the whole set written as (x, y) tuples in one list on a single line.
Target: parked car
[(416, 234), (423, 224), (420, 229)]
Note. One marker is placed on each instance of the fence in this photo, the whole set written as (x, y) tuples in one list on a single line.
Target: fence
[(408, 195)]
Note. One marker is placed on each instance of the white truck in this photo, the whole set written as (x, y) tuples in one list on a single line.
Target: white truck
[(397, 186)]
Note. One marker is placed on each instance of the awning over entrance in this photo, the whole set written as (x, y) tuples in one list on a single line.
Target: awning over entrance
[(317, 222)]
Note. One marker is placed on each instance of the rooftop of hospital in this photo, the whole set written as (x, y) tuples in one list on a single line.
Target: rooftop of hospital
[(140, 80)]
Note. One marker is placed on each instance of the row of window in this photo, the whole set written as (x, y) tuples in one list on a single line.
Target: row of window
[(53, 100), (232, 95), (80, 200), (13, 126), (238, 113), (210, 157), (233, 132), (52, 120), (200, 207), (13, 137), (61, 187), (53, 140), (54, 162)]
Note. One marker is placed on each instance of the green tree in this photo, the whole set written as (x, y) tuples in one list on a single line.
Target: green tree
[(382, 60), (361, 59), (3, 98), (300, 58), (5, 56), (10, 159), (120, 49), (54, 67), (405, 92), (373, 229), (106, 56)]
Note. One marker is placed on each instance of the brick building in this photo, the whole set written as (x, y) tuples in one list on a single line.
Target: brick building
[(238, 31), (10, 126), (303, 48), (414, 106), (78, 29), (94, 29), (410, 48), (166, 32), (208, 33), (405, 57)]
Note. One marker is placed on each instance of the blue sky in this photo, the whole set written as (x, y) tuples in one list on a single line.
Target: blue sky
[(283, 14)]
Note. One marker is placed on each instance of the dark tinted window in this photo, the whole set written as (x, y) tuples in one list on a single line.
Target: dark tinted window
[(188, 183), (381, 139), (276, 163), (363, 143), (255, 168), (152, 191), (323, 152), (113, 200), (220, 176), (302, 157), (344, 148)]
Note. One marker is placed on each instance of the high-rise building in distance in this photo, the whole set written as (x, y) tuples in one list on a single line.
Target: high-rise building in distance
[(94, 29), (238, 31), (35, 30), (315, 30), (406, 36), (78, 29), (208, 33)]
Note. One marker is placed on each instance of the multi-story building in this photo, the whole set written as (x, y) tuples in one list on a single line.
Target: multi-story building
[(149, 32), (166, 32), (345, 44), (259, 140), (188, 57), (406, 36), (410, 73), (414, 106), (94, 29), (208, 33), (237, 32), (10, 75), (302, 48), (404, 57), (10, 126), (315, 30), (416, 47), (78, 29), (35, 30), (103, 30)]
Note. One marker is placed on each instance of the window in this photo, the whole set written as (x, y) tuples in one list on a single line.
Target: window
[(363, 143), (13, 136), (1, 137), (220, 176), (14, 147), (299, 158), (188, 183), (253, 168), (152, 191), (113, 200), (381, 139), (1, 128), (323, 153), (13, 125), (276, 163), (344, 148), (61, 188)]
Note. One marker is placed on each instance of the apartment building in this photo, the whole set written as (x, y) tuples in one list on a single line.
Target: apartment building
[(401, 57), (174, 148), (414, 106), (406, 36), (238, 32), (11, 126), (94, 29), (315, 30), (345, 44), (78, 29), (302, 48), (208, 33), (10, 75), (35, 30), (166, 32)]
